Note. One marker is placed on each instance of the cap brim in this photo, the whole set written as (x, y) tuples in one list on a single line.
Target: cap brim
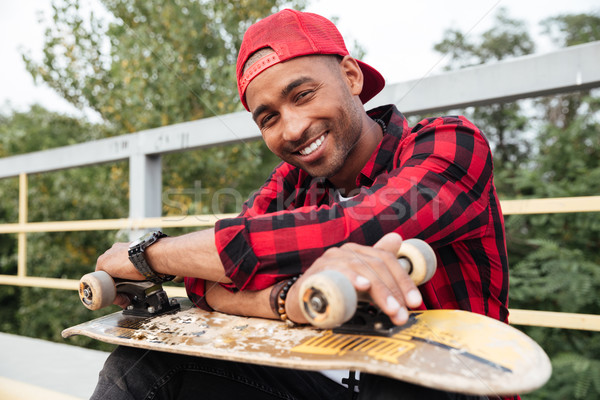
[(373, 82)]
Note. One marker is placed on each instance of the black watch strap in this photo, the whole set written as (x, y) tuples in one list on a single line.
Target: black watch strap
[(137, 258)]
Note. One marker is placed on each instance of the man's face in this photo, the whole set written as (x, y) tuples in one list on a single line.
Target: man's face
[(306, 109)]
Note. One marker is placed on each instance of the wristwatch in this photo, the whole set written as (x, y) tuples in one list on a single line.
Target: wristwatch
[(137, 258)]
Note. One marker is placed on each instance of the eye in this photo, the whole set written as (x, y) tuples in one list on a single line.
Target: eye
[(264, 122), (306, 94)]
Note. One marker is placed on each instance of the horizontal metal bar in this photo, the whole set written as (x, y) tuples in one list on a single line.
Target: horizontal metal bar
[(549, 319), (115, 224), (66, 284), (77, 155), (570, 69), (47, 283), (207, 132), (174, 291), (509, 207), (565, 70), (236, 127), (551, 206)]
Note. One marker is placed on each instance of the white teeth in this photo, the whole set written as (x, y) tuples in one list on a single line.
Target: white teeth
[(313, 146)]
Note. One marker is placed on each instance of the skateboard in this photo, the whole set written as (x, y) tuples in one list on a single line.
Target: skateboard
[(450, 350)]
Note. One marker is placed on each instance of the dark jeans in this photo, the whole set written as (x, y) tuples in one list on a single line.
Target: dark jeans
[(141, 374)]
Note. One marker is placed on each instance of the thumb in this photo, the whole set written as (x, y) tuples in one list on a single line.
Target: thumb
[(122, 300), (390, 242)]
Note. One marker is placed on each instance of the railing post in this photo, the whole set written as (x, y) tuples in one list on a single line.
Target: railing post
[(145, 188), (22, 236)]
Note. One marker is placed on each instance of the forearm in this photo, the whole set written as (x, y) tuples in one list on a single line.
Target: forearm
[(248, 303), (370, 269), (191, 255)]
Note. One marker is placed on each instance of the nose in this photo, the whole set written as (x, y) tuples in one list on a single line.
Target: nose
[(294, 125)]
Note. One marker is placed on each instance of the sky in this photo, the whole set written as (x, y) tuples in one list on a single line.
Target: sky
[(398, 36)]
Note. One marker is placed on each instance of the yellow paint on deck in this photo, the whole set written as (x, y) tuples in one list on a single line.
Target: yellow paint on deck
[(434, 325), (381, 348)]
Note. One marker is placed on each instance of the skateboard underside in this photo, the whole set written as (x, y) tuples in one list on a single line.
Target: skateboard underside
[(444, 349)]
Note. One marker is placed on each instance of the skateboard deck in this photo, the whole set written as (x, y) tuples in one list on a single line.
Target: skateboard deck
[(449, 350)]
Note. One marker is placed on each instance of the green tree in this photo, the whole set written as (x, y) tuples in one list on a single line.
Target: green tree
[(560, 268), (568, 30), (81, 193), (572, 29), (556, 265), (148, 63), (504, 123), (554, 260), (155, 63)]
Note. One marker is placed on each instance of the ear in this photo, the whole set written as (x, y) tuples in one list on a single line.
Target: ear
[(353, 74)]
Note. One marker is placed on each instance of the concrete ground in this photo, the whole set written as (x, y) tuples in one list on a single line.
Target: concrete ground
[(37, 369)]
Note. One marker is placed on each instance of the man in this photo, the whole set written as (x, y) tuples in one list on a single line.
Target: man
[(351, 184)]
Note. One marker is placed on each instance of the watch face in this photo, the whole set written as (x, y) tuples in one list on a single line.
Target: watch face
[(142, 239)]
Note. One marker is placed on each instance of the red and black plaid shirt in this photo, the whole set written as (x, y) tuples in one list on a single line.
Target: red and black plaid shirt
[(432, 182)]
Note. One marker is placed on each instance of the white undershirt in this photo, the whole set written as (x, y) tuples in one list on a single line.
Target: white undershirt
[(339, 197)]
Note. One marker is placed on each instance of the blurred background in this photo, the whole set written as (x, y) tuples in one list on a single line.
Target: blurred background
[(79, 70)]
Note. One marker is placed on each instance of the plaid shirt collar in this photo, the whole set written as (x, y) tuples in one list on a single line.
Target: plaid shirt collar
[(382, 159)]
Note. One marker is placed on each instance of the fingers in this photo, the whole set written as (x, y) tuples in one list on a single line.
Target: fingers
[(375, 270), (392, 242), (122, 300), (390, 286), (115, 261)]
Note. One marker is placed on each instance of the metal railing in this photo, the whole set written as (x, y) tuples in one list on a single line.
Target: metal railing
[(574, 68)]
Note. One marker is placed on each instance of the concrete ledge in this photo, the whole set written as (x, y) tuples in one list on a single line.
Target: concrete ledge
[(48, 368), (16, 390)]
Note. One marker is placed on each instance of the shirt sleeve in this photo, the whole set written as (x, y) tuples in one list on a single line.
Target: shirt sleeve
[(269, 198), (436, 191)]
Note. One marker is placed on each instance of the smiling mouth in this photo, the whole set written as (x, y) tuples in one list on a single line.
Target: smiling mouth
[(313, 146)]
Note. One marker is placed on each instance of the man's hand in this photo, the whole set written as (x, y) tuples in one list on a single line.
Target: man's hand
[(370, 269), (115, 261), (193, 255)]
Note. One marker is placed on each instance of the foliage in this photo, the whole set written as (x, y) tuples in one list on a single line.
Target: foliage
[(560, 269), (38, 129), (156, 63), (504, 123), (554, 260), (572, 29), (151, 63), (65, 195), (507, 38)]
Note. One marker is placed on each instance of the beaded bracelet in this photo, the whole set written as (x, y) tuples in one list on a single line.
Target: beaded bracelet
[(275, 290), (281, 302)]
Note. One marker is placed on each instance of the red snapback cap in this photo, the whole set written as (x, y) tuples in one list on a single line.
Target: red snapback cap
[(290, 34)]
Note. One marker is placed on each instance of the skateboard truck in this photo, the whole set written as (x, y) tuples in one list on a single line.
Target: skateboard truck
[(147, 298), (98, 290), (370, 320)]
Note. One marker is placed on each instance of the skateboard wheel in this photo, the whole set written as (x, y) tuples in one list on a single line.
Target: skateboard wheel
[(421, 257), (97, 290), (328, 299)]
